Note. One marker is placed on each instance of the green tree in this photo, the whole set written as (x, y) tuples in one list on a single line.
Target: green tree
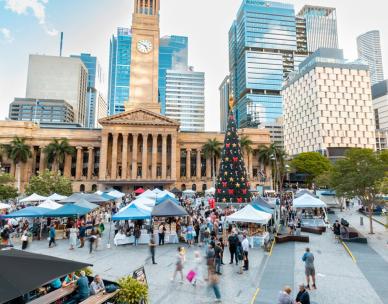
[(56, 152), (19, 152), (360, 174), (312, 164), (48, 182), (212, 149), (7, 190)]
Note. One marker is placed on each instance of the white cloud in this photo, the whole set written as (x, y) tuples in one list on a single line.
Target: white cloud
[(37, 7), (5, 35)]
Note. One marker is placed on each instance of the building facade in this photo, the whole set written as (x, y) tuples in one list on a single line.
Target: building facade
[(96, 106), (321, 27), (185, 99), (275, 130), (224, 103), (380, 104), (119, 70), (328, 106), (369, 50), (41, 110)]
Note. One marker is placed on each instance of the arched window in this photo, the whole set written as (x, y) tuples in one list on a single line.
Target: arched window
[(204, 187), (94, 187), (183, 187), (82, 188), (194, 187)]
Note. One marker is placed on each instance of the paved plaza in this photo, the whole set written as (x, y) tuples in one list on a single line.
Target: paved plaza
[(339, 278)]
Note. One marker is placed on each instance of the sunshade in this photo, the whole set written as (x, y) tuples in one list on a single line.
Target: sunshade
[(160, 200), (68, 210), (262, 208), (22, 272), (49, 204), (131, 212), (33, 198), (56, 197), (262, 202), (308, 201), (168, 209), (139, 191), (28, 212), (4, 206), (76, 197), (249, 215), (85, 204)]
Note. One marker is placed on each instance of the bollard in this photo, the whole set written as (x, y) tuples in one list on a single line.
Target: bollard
[(361, 221)]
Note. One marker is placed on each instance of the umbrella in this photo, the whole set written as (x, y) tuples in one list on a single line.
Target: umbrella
[(49, 204), (28, 212), (22, 272), (4, 206), (168, 208), (33, 198), (68, 210), (131, 212), (85, 204), (139, 191), (56, 197)]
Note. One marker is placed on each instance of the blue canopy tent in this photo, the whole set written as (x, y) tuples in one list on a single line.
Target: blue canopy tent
[(164, 198), (329, 193), (132, 212), (85, 204), (262, 202), (68, 210), (108, 197), (28, 212), (262, 208)]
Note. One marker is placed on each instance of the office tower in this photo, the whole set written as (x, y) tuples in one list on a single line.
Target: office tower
[(119, 70), (328, 106), (41, 110), (276, 131), (96, 106), (380, 106), (263, 50), (321, 27), (173, 55), (369, 50), (224, 103), (60, 78), (185, 99)]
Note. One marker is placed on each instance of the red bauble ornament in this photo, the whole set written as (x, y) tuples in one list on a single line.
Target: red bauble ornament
[(227, 145), (235, 159), (244, 191), (230, 191), (239, 200), (224, 184), (219, 191), (248, 184)]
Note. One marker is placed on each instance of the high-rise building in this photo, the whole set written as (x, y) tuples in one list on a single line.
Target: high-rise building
[(264, 48), (276, 131), (173, 55), (369, 50), (41, 110), (119, 70), (224, 103), (96, 106), (185, 99), (328, 106), (380, 104), (60, 78), (321, 27)]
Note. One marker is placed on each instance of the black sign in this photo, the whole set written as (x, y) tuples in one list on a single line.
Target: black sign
[(140, 275)]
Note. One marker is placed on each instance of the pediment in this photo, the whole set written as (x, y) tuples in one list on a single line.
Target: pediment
[(139, 117)]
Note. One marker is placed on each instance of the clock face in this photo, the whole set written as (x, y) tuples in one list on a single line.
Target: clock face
[(144, 46)]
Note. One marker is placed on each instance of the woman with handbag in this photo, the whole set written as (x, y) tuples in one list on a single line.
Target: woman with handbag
[(179, 263)]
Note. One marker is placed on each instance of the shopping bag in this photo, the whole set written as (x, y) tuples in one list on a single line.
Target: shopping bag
[(191, 275)]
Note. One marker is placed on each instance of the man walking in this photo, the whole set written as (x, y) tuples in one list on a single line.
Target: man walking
[(162, 231), (308, 259), (152, 246), (52, 234), (233, 241), (245, 247), (217, 256)]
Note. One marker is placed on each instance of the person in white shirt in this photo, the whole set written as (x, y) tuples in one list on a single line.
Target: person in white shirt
[(245, 247), (97, 285)]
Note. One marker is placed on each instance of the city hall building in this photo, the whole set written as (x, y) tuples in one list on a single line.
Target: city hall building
[(136, 148)]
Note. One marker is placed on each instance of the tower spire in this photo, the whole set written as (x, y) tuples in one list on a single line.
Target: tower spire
[(147, 7)]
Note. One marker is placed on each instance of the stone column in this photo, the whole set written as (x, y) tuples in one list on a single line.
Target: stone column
[(103, 156), (164, 156), (218, 163), (42, 161), (188, 163), (208, 168), (124, 157), (250, 166), (67, 166), (173, 157), (113, 174), (134, 156), (198, 166), (154, 154), (90, 163), (78, 169), (144, 162)]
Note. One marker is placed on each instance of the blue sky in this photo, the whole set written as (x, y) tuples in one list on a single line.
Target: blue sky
[(31, 27)]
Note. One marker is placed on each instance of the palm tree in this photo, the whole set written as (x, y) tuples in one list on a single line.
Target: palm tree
[(273, 156), (19, 152), (212, 149), (56, 152), (246, 148)]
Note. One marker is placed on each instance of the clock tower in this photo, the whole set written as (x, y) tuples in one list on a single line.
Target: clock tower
[(145, 56)]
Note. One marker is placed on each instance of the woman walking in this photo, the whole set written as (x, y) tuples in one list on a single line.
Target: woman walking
[(180, 260), (73, 232), (189, 234)]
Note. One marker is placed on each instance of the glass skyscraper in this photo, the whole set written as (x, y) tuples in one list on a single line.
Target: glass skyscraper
[(224, 103), (173, 55), (369, 50), (119, 70)]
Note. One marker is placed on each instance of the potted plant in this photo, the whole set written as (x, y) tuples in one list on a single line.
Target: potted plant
[(131, 291)]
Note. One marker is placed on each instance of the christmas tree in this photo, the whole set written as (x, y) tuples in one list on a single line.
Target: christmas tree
[(232, 185)]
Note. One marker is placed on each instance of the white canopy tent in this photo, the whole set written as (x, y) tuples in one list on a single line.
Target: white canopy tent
[(56, 197), (211, 190), (249, 215), (188, 191), (98, 192), (33, 198), (157, 191), (307, 201), (116, 194), (166, 192), (148, 194), (4, 206), (49, 204), (144, 203)]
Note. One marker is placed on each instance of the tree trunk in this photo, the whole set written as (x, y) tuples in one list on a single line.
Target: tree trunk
[(18, 175), (214, 171), (371, 219)]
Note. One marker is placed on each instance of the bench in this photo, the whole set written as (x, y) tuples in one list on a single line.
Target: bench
[(316, 230), (283, 238), (54, 295), (100, 298), (355, 236)]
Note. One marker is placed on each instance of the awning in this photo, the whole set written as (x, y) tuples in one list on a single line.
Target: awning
[(249, 215), (262, 208), (49, 204), (262, 202), (168, 208), (22, 272), (131, 212), (68, 210), (56, 197), (303, 192), (308, 201), (30, 212), (86, 204), (116, 194), (33, 198)]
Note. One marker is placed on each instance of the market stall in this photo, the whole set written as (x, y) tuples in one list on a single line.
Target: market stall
[(49, 204), (256, 222), (312, 211), (90, 197), (33, 198), (56, 197), (4, 206)]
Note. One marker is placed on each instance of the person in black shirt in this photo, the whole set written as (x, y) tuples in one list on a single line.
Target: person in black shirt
[(233, 242), (303, 296), (337, 229)]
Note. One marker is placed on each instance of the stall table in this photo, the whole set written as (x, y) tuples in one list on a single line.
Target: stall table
[(55, 295), (256, 241), (313, 222)]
